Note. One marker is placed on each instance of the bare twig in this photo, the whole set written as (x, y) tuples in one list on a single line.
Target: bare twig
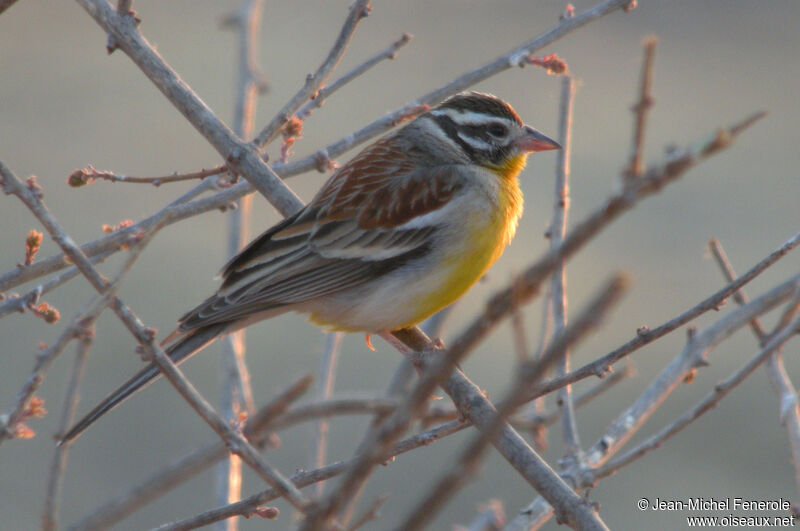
[(237, 396), (325, 382), (323, 93), (692, 357), (644, 335), (401, 379), (358, 10), (628, 422), (372, 451), (235, 441), (518, 335), (89, 174), (776, 372), (514, 58), (784, 331), (52, 498), (537, 406), (23, 302), (77, 328), (241, 157), (528, 421), (30, 195), (192, 464), (635, 167), (558, 228), (303, 479)]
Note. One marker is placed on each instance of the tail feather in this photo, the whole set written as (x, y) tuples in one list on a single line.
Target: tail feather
[(178, 352)]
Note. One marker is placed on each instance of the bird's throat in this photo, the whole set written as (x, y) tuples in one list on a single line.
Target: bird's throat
[(511, 167)]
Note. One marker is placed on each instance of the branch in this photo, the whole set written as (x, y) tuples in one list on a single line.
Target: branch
[(631, 419), (640, 110), (787, 394), (237, 396), (376, 442), (22, 302), (558, 228), (234, 440), (358, 10), (303, 479), (88, 175), (30, 196), (693, 356), (325, 383), (190, 465), (372, 513), (59, 463), (323, 93), (644, 335), (493, 429), (176, 474), (398, 388), (537, 406), (784, 331), (241, 157)]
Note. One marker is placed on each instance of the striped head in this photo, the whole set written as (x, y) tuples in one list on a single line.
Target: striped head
[(487, 131)]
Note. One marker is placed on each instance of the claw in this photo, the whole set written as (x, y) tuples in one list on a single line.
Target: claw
[(369, 343)]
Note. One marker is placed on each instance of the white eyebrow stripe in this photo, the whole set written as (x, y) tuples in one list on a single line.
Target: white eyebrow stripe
[(469, 117), (477, 143), (477, 118)]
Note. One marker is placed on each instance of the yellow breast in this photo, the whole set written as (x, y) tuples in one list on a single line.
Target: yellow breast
[(484, 245)]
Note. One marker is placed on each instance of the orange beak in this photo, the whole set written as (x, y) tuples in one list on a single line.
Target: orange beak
[(533, 140)]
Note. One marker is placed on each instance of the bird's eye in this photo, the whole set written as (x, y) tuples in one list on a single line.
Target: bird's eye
[(498, 130)]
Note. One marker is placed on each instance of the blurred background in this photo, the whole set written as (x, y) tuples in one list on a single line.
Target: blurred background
[(64, 103)]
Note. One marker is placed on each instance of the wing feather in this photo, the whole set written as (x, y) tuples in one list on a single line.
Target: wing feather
[(376, 213)]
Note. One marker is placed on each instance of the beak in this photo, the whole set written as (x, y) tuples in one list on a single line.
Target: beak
[(533, 140)]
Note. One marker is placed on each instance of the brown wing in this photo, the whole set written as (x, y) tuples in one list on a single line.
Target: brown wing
[(384, 187)]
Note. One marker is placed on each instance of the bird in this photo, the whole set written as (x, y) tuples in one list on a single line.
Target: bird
[(399, 232)]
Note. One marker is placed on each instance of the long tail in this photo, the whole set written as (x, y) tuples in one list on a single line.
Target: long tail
[(178, 352)]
